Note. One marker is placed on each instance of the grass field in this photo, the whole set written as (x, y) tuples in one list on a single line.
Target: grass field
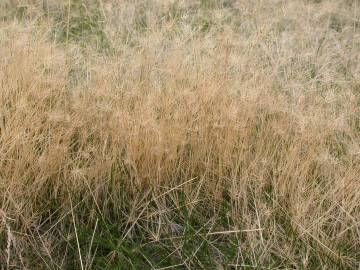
[(158, 134)]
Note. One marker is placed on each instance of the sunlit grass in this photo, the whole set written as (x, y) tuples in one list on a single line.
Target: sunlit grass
[(179, 134)]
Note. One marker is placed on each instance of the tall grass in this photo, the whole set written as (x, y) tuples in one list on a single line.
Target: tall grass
[(179, 134)]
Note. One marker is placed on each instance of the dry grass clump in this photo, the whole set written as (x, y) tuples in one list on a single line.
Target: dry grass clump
[(185, 135)]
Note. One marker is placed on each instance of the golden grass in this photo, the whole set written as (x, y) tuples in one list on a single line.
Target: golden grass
[(255, 103)]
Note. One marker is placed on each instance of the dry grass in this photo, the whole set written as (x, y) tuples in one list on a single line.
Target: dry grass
[(189, 135)]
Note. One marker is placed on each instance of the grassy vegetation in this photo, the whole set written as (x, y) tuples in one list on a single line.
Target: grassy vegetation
[(155, 134)]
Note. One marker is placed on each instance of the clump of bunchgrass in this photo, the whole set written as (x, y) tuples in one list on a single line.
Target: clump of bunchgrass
[(216, 134)]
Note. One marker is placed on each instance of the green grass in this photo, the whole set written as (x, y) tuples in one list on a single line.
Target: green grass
[(82, 23)]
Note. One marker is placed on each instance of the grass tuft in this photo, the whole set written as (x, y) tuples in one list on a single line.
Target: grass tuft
[(159, 134)]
